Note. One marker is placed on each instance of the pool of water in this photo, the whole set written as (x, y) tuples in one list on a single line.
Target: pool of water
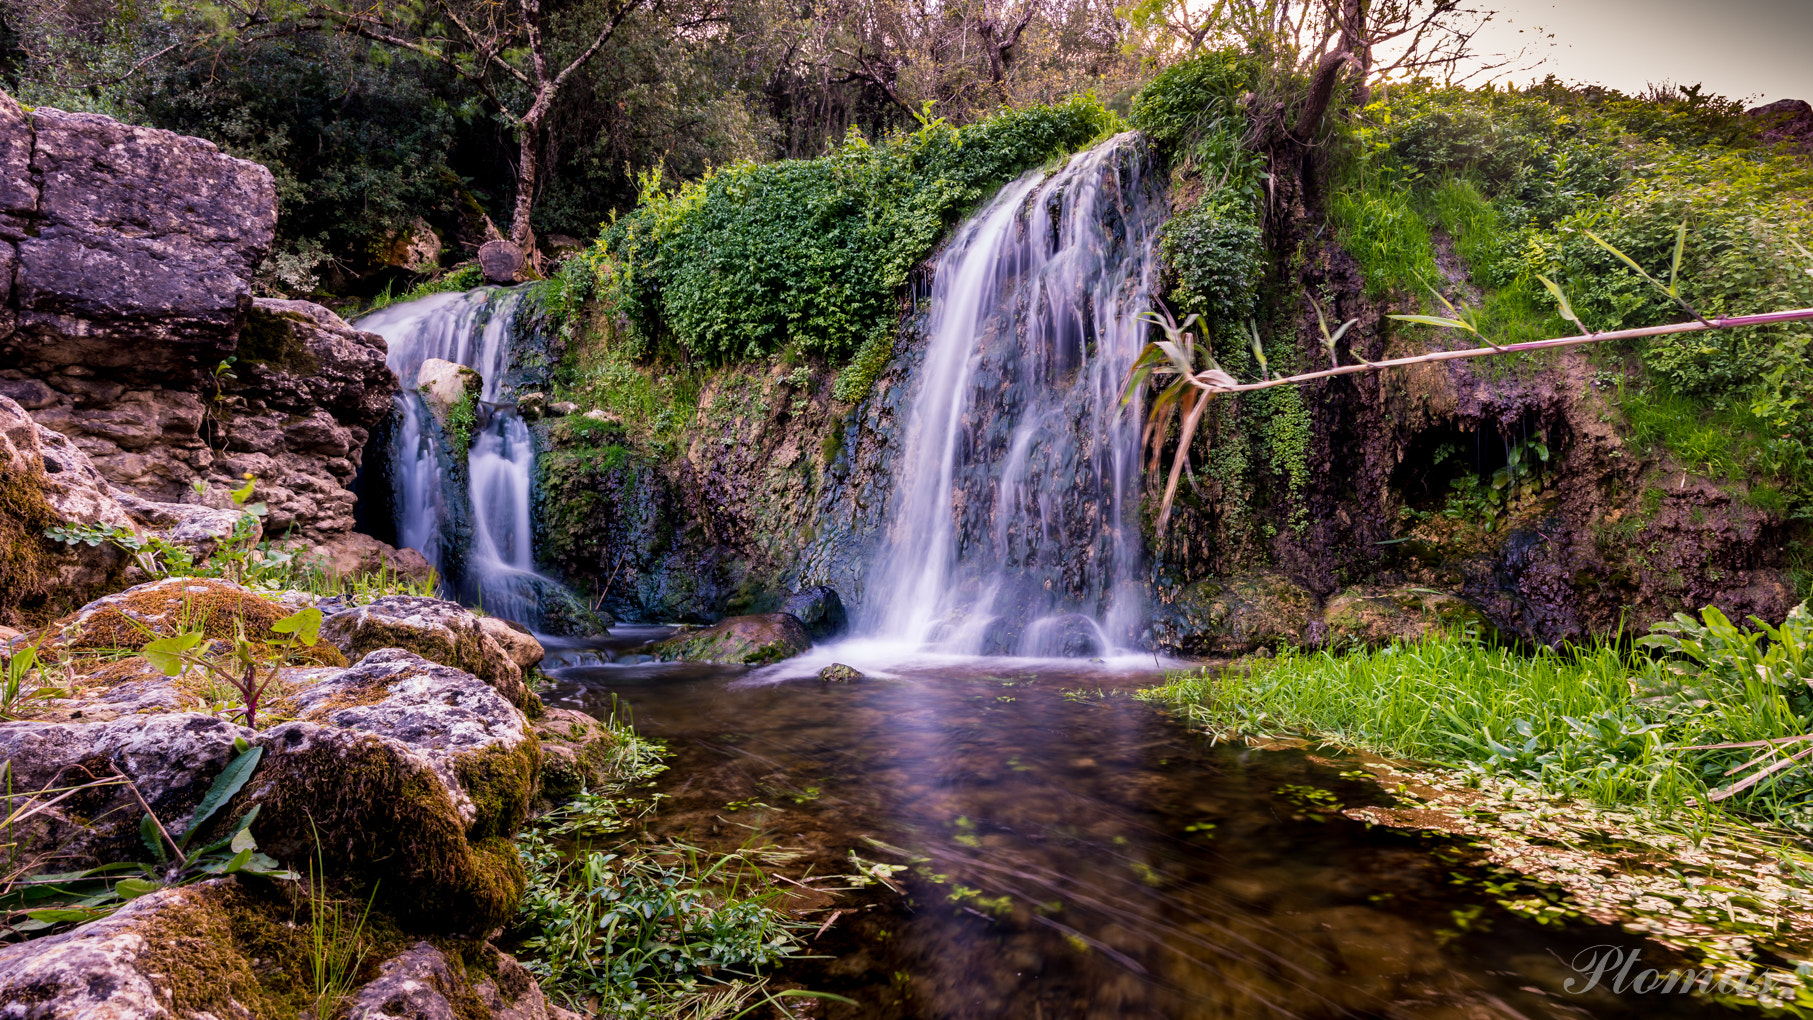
[(1072, 852)]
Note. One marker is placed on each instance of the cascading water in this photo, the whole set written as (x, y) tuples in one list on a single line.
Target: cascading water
[(1014, 524), (472, 520)]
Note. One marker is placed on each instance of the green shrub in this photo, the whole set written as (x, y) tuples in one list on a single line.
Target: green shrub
[(809, 254), (1216, 255), (1190, 110)]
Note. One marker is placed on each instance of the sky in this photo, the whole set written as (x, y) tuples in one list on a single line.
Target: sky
[(1754, 50)]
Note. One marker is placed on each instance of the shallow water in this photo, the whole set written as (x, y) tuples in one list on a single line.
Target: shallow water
[(1085, 856)]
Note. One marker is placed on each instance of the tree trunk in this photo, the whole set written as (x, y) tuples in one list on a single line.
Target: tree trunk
[(528, 154)]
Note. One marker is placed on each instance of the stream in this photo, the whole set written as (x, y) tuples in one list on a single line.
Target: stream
[(1073, 852)]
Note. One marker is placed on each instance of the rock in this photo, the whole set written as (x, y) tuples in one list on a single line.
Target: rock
[(197, 529), (599, 414), (444, 383), (561, 408), (515, 640), (219, 609), (7, 635), (820, 609), (171, 758), (46, 482), (139, 254), (1375, 617), (1069, 636), (531, 406), (18, 193), (172, 953), (422, 983), (438, 630), (563, 242), (838, 673), (575, 755), (1786, 120), (413, 773), (416, 247), (500, 261), (30, 394), (1235, 615), (747, 640), (355, 554)]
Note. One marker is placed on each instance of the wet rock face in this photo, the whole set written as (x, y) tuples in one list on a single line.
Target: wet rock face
[(744, 640), (1407, 613), (140, 244), (1231, 616), (820, 609)]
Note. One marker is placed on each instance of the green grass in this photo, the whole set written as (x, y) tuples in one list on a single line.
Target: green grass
[(1387, 235), (1597, 722)]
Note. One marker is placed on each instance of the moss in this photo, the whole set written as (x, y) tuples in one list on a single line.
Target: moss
[(501, 783), (381, 816), (197, 947), (30, 590), (271, 338)]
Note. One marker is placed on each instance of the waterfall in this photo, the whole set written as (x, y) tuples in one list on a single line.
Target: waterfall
[(471, 520), (1014, 523)]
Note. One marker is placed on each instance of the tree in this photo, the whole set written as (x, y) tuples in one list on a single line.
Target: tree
[(502, 49)]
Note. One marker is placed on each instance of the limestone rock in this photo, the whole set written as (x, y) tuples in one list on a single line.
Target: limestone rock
[(438, 630), (197, 528), (421, 983), (515, 640), (411, 772), (1232, 616), (1786, 120), (171, 758), (748, 640), (575, 752), (141, 248), (1370, 616), (838, 673), (219, 609), (820, 609), (18, 194), (46, 482), (444, 383), (169, 954), (354, 553), (561, 408)]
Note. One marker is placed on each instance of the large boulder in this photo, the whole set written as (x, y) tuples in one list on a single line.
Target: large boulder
[(46, 482), (219, 609), (515, 640), (139, 252), (406, 771), (438, 630), (746, 640), (1235, 615), (170, 758)]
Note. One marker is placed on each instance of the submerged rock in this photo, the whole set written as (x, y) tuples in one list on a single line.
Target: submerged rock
[(820, 609), (838, 673), (1070, 636), (745, 640), (1371, 616), (438, 630)]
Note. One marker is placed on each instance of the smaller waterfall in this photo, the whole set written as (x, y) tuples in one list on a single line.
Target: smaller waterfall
[(472, 520), (1014, 524)]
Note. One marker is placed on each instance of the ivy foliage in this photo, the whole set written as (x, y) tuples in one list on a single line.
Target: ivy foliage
[(809, 255)]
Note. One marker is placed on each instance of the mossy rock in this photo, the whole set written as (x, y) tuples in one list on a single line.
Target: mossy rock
[(739, 640), (219, 609), (575, 755), (410, 774), (437, 630), (1235, 615), (1376, 617)]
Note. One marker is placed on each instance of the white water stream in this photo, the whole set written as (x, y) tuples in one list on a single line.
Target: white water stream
[(1014, 522)]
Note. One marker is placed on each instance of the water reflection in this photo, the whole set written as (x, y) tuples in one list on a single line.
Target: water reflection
[(1072, 853)]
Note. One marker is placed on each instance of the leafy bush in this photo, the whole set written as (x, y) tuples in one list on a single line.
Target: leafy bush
[(1191, 110), (1216, 254), (810, 254)]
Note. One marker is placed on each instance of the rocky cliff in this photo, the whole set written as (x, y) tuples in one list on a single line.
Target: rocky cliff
[(128, 325)]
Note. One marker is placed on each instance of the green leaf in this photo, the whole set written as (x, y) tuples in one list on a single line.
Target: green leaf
[(244, 493), (1562, 303), (154, 840), (133, 888), (305, 624), (228, 783), (50, 917), (240, 860), (243, 841), (167, 654), (1434, 320)]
